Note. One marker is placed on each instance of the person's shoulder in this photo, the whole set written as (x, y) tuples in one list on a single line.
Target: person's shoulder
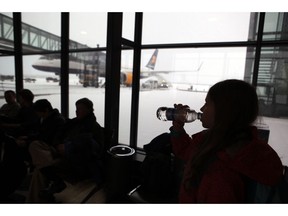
[(57, 117), (200, 134), (16, 105), (55, 113), (3, 106)]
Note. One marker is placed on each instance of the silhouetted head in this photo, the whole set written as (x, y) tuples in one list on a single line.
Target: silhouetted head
[(10, 96), (42, 105), (25, 97), (235, 103), (84, 107), (231, 107), (42, 108)]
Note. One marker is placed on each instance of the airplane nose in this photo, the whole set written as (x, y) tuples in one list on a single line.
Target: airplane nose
[(35, 66)]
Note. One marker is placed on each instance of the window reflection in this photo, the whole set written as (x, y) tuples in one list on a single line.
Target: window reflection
[(272, 83), (275, 27)]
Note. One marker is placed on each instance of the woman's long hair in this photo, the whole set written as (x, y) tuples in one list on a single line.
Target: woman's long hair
[(236, 108)]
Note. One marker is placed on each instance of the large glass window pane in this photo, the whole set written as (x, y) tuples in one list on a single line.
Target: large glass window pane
[(125, 96), (195, 27), (7, 77), (273, 95), (7, 73), (41, 31), (275, 26), (272, 83), (88, 29), (87, 79), (128, 26), (272, 90), (6, 32), (39, 75), (87, 69), (183, 76), (278, 136), (9, 14)]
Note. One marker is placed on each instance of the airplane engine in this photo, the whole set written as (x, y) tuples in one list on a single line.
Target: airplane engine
[(126, 78)]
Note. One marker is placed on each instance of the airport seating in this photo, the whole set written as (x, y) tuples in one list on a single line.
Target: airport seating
[(82, 191), (143, 194), (108, 134)]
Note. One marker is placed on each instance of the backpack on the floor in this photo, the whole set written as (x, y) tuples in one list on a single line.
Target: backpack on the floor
[(159, 168)]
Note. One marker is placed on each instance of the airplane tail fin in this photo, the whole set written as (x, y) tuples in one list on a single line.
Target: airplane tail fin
[(152, 62)]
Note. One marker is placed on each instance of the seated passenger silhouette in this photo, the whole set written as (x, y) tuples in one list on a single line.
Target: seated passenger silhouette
[(13, 165), (78, 148), (10, 109)]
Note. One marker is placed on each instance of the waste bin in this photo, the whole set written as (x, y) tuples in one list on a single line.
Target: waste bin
[(118, 170)]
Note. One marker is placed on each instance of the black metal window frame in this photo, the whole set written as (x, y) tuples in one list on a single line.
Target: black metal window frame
[(115, 44)]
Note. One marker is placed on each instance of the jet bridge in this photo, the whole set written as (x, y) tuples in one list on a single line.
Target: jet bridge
[(33, 39)]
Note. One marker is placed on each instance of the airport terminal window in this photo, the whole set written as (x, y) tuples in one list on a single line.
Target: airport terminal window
[(182, 76), (7, 77), (41, 33), (87, 80), (207, 60), (88, 29), (194, 27), (272, 89), (7, 71), (128, 25), (275, 26), (6, 26), (9, 14), (125, 96), (272, 82), (41, 30), (41, 82)]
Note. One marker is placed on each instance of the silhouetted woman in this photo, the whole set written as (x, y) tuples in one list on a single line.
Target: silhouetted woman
[(219, 159)]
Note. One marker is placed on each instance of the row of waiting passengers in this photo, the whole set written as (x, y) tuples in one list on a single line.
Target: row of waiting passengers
[(37, 133)]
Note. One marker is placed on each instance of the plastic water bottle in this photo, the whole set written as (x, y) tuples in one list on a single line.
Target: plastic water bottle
[(169, 114)]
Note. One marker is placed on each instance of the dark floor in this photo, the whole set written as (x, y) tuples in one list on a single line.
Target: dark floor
[(82, 192)]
